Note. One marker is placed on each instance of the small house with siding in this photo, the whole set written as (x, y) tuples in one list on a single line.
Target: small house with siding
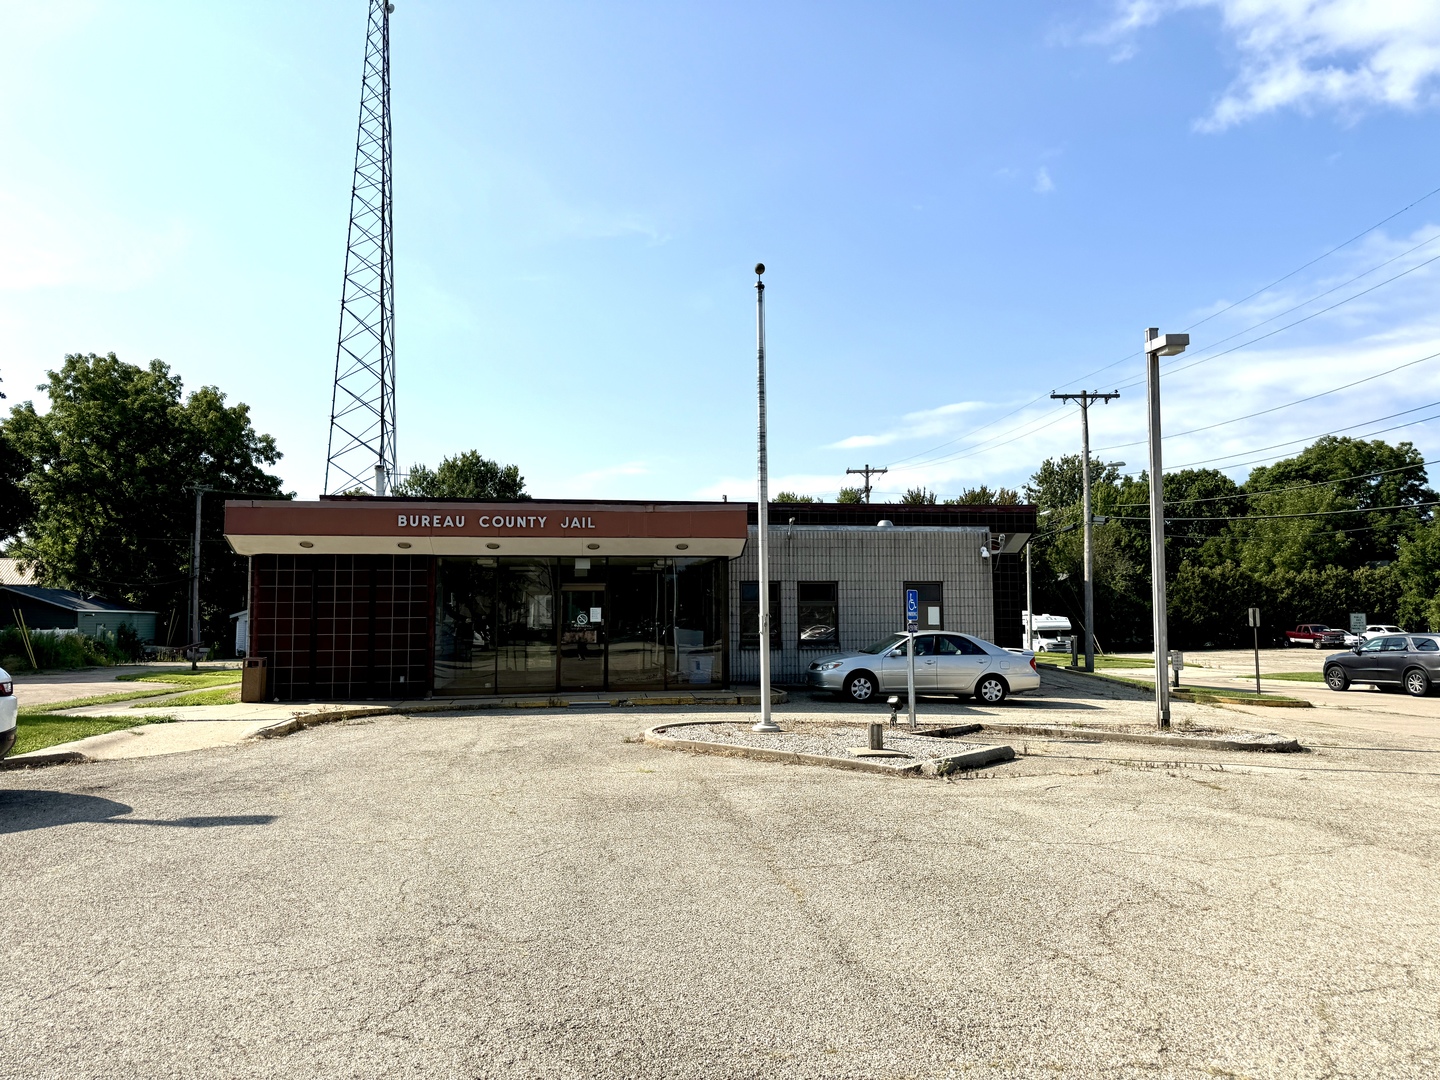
[(62, 609)]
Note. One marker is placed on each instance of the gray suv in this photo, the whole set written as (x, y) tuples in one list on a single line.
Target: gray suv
[(1411, 661)]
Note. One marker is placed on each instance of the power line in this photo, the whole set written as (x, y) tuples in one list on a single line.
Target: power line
[(1276, 517), (1310, 439), (1318, 258), (1277, 408), (1293, 487), (1305, 266), (1281, 329)]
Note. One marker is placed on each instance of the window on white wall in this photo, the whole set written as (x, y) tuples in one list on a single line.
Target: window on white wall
[(932, 606), (818, 603)]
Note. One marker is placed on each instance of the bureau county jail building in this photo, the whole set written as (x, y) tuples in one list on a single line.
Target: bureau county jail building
[(361, 597)]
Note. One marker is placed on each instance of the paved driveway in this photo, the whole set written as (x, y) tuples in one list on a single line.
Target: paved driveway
[(512, 895)]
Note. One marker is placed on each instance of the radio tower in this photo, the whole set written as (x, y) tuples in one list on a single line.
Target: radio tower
[(362, 406)]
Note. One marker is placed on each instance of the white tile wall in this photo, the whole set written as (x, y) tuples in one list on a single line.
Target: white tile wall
[(871, 566)]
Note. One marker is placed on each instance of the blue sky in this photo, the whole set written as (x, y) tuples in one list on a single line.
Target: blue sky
[(962, 208)]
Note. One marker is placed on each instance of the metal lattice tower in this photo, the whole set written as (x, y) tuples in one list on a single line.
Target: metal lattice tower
[(362, 407)]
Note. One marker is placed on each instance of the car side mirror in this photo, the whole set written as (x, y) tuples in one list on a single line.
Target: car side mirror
[(1356, 650)]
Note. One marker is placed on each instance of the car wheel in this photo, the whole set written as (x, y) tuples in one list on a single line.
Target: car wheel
[(1317, 643), (991, 690), (1417, 683), (1336, 679), (860, 687)]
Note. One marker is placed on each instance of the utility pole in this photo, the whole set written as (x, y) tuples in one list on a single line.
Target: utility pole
[(1085, 397), (762, 548), (200, 490), (1157, 346), (866, 472)]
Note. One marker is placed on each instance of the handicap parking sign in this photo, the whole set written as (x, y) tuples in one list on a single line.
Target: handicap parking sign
[(912, 608)]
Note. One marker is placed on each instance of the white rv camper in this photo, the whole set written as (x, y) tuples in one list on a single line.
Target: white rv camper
[(1052, 633)]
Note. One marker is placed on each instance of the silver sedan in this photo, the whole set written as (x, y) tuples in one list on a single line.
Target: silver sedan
[(1408, 661), (945, 663)]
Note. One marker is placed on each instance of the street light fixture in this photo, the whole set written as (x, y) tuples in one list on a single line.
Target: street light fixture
[(1156, 346)]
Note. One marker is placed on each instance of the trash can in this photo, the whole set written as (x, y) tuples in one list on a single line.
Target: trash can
[(253, 679)]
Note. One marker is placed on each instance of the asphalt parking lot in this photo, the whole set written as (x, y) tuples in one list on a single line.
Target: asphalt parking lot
[(502, 895)]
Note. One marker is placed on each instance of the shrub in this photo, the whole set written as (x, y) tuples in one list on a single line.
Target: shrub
[(56, 651)]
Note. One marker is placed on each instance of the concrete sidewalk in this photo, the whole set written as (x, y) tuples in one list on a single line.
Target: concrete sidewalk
[(148, 740)]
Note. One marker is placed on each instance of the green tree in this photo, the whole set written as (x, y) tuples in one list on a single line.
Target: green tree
[(918, 496), (850, 496), (1418, 577), (791, 497), (983, 496), (112, 468), (466, 475)]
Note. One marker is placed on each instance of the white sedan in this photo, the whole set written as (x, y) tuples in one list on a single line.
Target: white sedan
[(9, 709), (945, 663)]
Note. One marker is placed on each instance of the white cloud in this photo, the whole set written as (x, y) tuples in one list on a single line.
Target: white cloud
[(1043, 184), (1307, 54)]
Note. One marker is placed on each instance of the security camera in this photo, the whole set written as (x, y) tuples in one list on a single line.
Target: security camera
[(984, 551)]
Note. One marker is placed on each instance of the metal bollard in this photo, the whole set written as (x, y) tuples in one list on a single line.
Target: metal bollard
[(877, 736)]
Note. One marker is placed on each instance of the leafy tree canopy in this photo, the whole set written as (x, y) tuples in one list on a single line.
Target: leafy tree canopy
[(918, 496), (791, 497), (851, 495), (466, 475), (111, 469), (983, 496)]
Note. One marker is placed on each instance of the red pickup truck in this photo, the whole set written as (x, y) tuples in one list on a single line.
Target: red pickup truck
[(1316, 634)]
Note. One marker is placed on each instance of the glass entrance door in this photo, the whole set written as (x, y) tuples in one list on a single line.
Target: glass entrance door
[(582, 637)]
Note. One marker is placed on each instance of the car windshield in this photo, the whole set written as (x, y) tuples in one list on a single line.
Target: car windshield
[(884, 645)]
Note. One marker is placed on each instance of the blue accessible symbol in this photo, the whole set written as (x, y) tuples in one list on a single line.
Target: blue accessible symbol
[(912, 609)]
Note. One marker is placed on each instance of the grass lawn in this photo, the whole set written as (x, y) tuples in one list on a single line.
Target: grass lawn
[(37, 730), (1209, 695), (1101, 662), (223, 695), (198, 680), (1288, 676)]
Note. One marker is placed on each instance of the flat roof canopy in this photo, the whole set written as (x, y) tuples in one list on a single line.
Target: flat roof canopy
[(371, 526)]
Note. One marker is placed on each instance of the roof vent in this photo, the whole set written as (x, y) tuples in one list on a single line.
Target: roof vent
[(885, 523)]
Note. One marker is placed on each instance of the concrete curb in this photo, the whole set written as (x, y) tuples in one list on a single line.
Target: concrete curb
[(39, 759), (1274, 744), (301, 721), (970, 759)]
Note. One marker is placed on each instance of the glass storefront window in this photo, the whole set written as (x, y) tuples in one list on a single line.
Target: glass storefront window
[(518, 625), (697, 603), (526, 622), (638, 627), (818, 603), (465, 626)]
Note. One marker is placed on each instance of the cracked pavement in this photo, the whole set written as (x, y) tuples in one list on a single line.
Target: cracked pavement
[(508, 895)]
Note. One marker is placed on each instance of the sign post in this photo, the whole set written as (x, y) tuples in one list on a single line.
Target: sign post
[(1255, 626), (912, 623)]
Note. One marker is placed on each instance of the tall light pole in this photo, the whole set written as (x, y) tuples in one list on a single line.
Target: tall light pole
[(1156, 346), (1085, 397), (762, 547)]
